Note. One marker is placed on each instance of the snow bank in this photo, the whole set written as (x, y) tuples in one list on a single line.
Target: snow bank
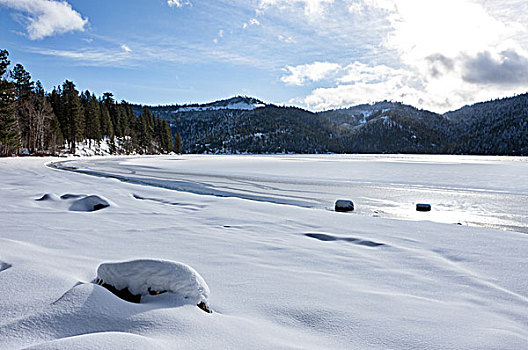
[(144, 277), (99, 340)]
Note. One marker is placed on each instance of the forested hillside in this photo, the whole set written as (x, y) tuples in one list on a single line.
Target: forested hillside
[(244, 124), (495, 127), (34, 122)]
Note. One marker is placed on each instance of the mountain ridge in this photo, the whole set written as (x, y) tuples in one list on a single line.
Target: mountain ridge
[(243, 124)]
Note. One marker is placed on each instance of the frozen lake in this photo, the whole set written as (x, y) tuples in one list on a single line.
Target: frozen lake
[(489, 192), (280, 276)]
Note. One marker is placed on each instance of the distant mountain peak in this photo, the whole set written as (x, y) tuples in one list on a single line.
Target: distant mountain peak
[(235, 103)]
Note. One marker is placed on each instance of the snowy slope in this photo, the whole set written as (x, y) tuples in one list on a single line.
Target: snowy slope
[(280, 276), (237, 106), (234, 103)]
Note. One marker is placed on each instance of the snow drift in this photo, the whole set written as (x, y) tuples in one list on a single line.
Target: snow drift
[(80, 202), (151, 277), (284, 276)]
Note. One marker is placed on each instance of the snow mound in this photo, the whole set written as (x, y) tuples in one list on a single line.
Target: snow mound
[(150, 277), (99, 340), (48, 197), (89, 203)]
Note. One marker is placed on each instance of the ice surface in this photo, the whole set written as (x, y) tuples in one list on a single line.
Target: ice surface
[(467, 190), (281, 276), (142, 276)]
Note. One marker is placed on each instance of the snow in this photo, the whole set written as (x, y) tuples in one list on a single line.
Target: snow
[(140, 276), (282, 274)]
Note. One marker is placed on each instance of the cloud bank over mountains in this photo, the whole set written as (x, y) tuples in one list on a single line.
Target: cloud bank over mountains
[(444, 54)]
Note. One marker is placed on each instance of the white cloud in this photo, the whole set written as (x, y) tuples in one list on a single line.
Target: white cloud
[(126, 48), (90, 57), (285, 39), (179, 3), (312, 8), (317, 71), (221, 33), (359, 83), (440, 55), (47, 17), (251, 22), (356, 8)]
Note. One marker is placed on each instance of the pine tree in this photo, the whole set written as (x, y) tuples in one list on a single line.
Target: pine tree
[(107, 128), (129, 129), (9, 131), (145, 131), (169, 145), (177, 143), (92, 114), (73, 114), (24, 106)]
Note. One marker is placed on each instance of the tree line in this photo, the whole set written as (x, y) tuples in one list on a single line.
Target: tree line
[(35, 122)]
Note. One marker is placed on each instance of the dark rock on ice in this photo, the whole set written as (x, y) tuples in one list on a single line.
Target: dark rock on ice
[(423, 207), (343, 205)]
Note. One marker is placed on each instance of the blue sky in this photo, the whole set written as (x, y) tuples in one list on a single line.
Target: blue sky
[(317, 54)]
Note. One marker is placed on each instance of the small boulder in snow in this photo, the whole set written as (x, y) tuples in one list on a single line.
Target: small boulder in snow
[(71, 196), (130, 280), (48, 197), (4, 266), (344, 205), (423, 207), (89, 203)]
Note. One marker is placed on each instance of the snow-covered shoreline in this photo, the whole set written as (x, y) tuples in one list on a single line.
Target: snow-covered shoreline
[(275, 281)]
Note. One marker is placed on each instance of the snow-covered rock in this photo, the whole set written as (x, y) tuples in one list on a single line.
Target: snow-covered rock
[(146, 276), (89, 203)]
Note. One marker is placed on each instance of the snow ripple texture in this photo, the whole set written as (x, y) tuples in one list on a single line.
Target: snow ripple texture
[(141, 275)]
